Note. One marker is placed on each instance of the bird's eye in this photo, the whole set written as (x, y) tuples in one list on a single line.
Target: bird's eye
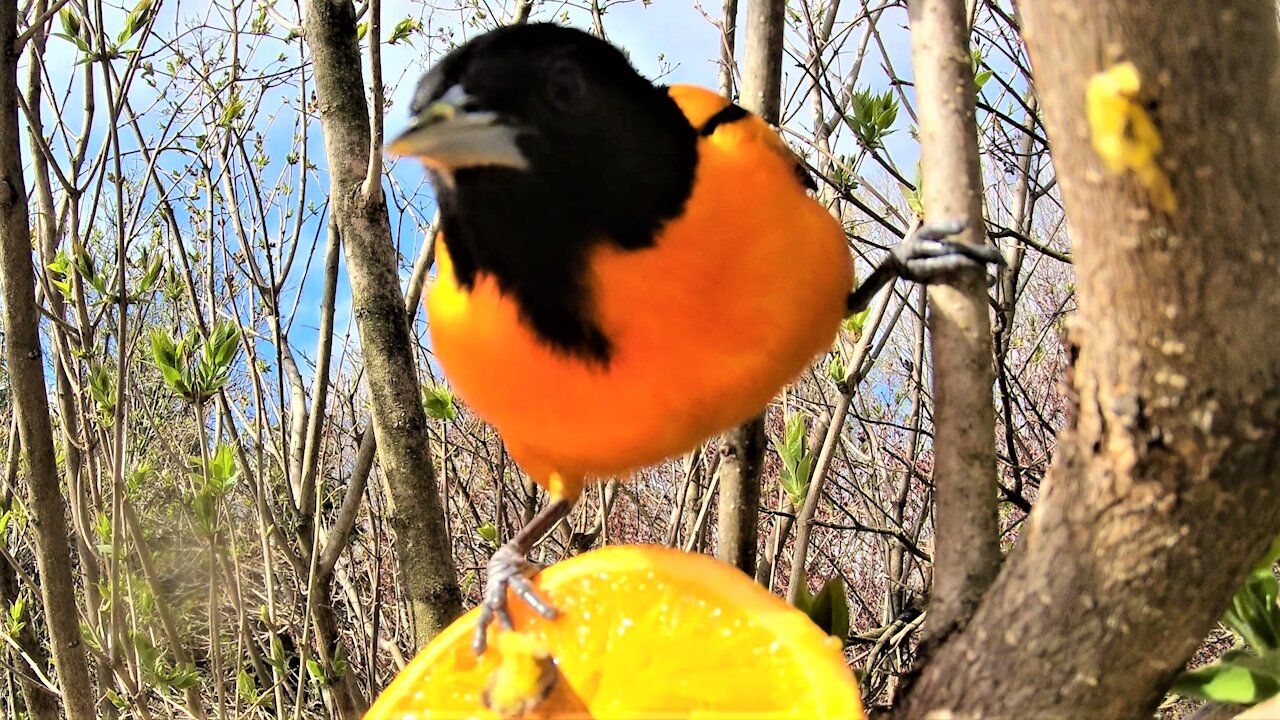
[(566, 88)]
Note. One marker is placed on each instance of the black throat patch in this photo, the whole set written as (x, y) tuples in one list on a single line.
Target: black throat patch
[(533, 230)]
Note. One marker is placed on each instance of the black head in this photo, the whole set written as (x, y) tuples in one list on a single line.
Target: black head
[(543, 140)]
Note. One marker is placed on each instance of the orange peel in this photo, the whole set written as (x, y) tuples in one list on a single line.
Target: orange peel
[(643, 632)]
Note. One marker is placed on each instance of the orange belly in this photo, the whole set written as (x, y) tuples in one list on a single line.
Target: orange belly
[(732, 303)]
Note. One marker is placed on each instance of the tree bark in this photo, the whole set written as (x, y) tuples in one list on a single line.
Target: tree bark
[(31, 405), (742, 449), (1163, 492), (428, 579), (762, 58), (967, 554), (738, 520)]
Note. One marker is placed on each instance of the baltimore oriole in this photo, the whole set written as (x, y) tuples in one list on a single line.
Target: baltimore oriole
[(624, 270)]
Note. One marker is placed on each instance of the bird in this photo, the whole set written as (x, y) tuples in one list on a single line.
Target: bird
[(624, 270)]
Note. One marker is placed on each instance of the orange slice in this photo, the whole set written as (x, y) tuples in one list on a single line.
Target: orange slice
[(644, 632)]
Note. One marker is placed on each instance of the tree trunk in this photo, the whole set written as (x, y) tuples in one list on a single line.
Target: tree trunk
[(1163, 492), (762, 58), (742, 449), (967, 554), (31, 406), (428, 578)]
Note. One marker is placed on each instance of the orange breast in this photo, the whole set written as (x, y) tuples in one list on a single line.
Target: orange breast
[(736, 298)]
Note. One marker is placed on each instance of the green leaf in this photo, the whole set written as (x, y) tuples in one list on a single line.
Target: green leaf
[(797, 462), (403, 29), (70, 22), (183, 677), (438, 403), (16, 621), (277, 659), (102, 527), (212, 368), (233, 110), (89, 637), (1237, 678), (872, 116), (842, 175), (338, 667), (84, 264), (115, 699), (170, 357), (174, 379), (489, 533), (60, 273), (80, 44), (222, 346), (139, 475), (18, 608), (915, 198), (128, 30), (102, 389), (135, 21), (222, 469), (836, 369), (152, 274), (205, 510), (64, 288), (829, 609), (1254, 612), (855, 322), (164, 351), (980, 76), (316, 671), (246, 686), (804, 599)]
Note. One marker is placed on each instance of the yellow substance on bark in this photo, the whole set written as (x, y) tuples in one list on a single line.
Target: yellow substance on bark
[(1124, 135)]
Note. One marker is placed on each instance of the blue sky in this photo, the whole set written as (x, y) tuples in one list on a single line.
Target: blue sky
[(673, 30), (667, 38)]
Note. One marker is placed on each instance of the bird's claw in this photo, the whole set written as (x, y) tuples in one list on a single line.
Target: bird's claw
[(929, 257), (508, 568)]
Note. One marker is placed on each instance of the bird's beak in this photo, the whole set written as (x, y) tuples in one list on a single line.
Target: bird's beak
[(448, 137)]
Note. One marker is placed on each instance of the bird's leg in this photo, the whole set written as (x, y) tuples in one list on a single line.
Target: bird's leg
[(925, 257), (510, 568)]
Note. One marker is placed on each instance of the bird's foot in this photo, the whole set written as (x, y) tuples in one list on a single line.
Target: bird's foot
[(508, 568), (929, 257)]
